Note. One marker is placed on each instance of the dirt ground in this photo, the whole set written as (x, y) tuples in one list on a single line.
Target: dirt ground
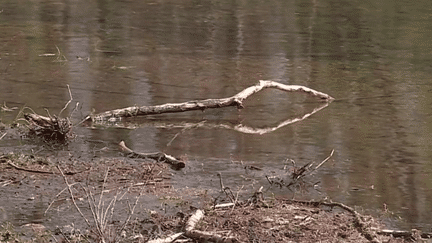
[(257, 219)]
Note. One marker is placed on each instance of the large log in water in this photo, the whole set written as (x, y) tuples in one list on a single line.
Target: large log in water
[(236, 100)]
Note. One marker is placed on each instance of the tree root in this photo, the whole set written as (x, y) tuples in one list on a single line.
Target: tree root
[(49, 128)]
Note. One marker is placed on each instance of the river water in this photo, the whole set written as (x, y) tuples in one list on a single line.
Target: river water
[(374, 57)]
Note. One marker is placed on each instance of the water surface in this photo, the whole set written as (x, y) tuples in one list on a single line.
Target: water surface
[(373, 57)]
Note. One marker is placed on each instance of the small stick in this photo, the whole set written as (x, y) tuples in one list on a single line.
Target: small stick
[(158, 156), (132, 210), (70, 95), (325, 160), (28, 170), (221, 182), (58, 194)]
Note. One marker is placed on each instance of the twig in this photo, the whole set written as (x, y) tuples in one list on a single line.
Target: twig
[(305, 170), (221, 182), (158, 156), (224, 205), (58, 194), (132, 210), (72, 197), (70, 100), (2, 136), (92, 206), (325, 160), (28, 170), (236, 198)]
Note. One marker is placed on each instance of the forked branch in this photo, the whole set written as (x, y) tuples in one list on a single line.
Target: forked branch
[(236, 100)]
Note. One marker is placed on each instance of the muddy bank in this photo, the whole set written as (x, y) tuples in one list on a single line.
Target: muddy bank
[(132, 200)]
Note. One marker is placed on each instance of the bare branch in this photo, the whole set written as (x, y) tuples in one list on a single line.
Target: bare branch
[(235, 100)]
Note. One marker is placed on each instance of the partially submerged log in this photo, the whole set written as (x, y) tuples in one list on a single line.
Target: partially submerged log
[(160, 123), (236, 100), (158, 156)]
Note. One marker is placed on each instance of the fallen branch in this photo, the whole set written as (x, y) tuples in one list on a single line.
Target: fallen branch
[(158, 156), (203, 236), (236, 100), (211, 125)]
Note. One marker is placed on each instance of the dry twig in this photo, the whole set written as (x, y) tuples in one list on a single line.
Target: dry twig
[(28, 170)]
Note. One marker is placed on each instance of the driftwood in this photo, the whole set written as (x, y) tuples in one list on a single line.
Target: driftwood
[(236, 100), (158, 156), (211, 125)]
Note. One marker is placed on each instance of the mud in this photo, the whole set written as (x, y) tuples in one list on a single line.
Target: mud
[(138, 203)]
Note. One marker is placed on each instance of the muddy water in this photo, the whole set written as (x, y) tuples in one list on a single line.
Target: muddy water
[(373, 57)]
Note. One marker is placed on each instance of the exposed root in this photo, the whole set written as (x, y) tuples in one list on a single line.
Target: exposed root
[(50, 129)]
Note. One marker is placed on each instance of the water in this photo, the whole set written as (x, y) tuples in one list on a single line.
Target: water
[(373, 57)]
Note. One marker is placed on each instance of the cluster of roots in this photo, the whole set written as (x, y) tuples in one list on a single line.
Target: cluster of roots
[(51, 129)]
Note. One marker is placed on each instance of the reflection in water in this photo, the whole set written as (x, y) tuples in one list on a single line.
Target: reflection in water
[(373, 57)]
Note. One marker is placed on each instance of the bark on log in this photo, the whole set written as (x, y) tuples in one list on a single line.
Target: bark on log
[(158, 156), (236, 100)]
